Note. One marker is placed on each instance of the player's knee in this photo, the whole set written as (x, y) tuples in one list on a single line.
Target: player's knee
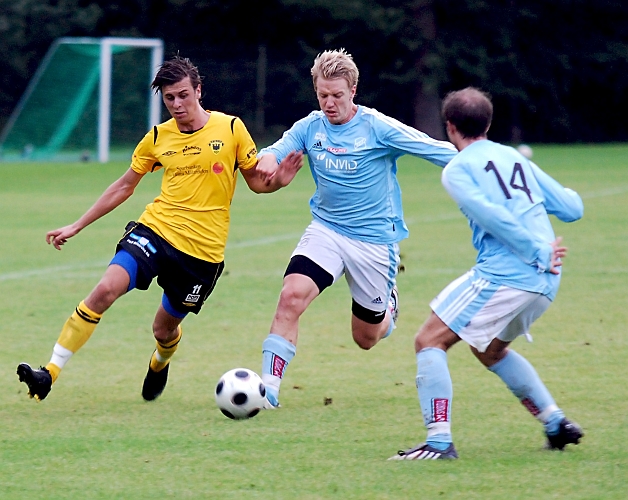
[(365, 342), (434, 334), (367, 332), (292, 301), (491, 356), (164, 333), (427, 338), (420, 341), (104, 295), (423, 336)]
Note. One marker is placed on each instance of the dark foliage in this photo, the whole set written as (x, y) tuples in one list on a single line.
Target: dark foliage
[(557, 70)]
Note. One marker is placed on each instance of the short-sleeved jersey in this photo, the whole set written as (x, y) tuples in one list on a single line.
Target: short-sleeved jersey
[(507, 199), (354, 166), (200, 170)]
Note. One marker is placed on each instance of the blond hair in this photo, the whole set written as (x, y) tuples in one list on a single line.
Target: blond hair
[(335, 64)]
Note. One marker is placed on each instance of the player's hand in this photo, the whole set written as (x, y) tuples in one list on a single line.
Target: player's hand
[(58, 237), (266, 169), (558, 252), (288, 168)]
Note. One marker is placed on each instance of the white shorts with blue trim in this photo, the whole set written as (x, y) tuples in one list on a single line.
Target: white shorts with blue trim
[(370, 269), (478, 310)]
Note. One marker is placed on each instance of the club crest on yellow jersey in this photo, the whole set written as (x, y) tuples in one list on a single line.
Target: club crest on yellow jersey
[(216, 145)]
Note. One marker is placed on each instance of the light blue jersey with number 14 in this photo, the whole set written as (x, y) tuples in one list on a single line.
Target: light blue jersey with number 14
[(507, 199), (354, 166)]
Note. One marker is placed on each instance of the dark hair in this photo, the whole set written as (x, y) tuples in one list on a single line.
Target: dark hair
[(175, 70), (470, 110)]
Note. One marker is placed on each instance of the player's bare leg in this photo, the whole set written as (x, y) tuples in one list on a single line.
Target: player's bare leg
[(297, 294), (279, 348), (435, 391), (367, 333)]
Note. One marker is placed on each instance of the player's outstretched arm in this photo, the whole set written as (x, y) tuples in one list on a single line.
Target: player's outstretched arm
[(268, 177), (118, 192)]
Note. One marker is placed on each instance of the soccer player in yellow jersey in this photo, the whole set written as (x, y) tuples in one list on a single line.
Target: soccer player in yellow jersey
[(180, 238)]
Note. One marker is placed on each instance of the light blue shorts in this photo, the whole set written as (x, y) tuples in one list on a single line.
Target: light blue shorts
[(478, 310)]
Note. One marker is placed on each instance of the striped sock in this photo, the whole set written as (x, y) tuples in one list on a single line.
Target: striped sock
[(435, 391), (524, 382), (75, 333), (164, 351), (277, 353)]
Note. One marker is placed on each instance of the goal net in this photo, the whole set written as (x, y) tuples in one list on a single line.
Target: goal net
[(90, 99)]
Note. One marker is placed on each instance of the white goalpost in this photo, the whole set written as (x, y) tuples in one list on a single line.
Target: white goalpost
[(69, 109), (104, 114)]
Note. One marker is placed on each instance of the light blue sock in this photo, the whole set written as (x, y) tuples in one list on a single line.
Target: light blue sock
[(524, 382), (391, 327), (435, 389), (277, 352)]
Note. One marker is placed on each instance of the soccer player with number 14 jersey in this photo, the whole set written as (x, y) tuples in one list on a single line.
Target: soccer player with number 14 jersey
[(507, 200)]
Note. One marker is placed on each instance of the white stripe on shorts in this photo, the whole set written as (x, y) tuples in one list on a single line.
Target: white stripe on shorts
[(462, 301)]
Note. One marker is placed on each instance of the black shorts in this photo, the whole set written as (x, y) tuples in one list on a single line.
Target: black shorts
[(186, 280)]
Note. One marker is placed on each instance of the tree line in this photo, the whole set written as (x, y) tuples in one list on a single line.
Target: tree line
[(557, 69)]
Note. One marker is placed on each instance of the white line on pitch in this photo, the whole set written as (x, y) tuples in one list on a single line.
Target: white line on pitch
[(605, 192), (266, 241), (18, 275), (68, 268)]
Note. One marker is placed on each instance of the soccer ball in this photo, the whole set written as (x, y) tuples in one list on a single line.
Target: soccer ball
[(240, 394), (525, 150)]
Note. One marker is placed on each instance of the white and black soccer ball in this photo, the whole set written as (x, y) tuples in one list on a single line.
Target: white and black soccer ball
[(240, 394)]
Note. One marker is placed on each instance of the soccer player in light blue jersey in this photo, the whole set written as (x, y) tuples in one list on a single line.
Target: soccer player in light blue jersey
[(507, 200), (356, 209)]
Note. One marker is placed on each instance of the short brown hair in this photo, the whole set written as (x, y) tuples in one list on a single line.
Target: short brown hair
[(335, 64), (175, 70), (470, 110)]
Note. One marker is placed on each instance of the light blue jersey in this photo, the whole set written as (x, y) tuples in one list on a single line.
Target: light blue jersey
[(354, 166), (507, 199)]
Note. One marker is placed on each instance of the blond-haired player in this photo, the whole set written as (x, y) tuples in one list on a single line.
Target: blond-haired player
[(356, 210)]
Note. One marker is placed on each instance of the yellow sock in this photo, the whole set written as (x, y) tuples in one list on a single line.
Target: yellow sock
[(75, 332), (163, 353), (78, 328), (54, 371)]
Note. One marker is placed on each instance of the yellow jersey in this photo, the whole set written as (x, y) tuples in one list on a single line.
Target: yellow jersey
[(199, 178)]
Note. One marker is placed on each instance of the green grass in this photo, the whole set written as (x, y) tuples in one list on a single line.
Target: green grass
[(95, 438)]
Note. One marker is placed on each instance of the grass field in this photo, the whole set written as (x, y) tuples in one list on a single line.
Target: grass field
[(95, 438)]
